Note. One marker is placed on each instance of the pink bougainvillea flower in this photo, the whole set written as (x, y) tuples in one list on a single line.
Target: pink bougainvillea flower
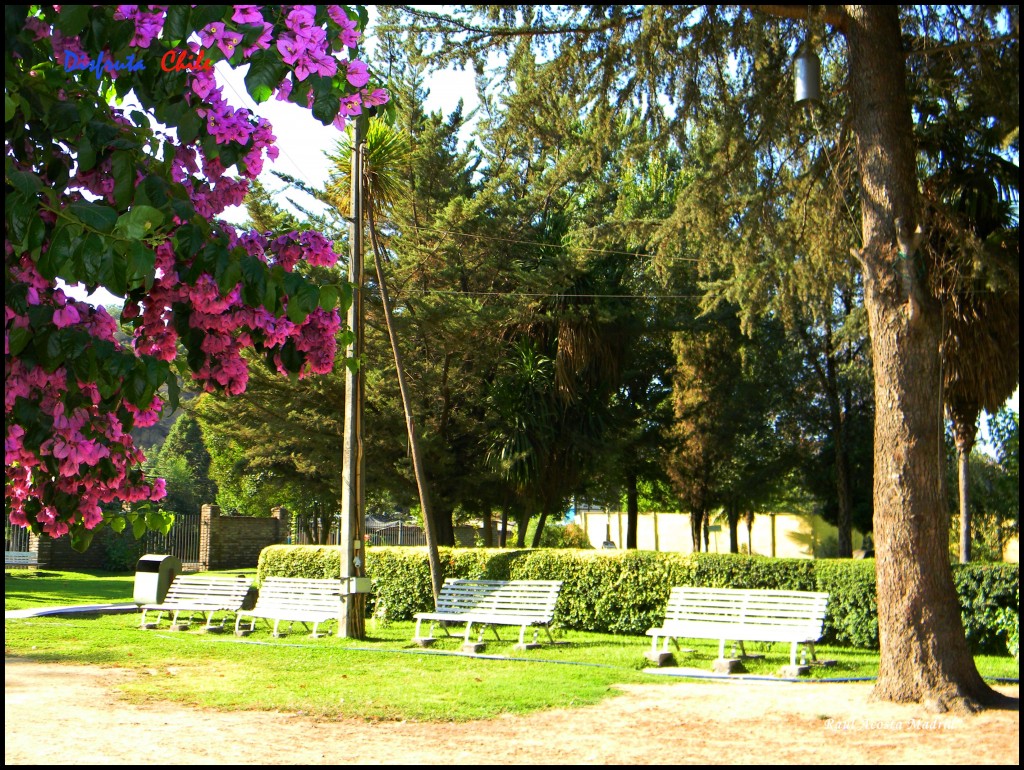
[(349, 34), (65, 316), (358, 74), (247, 14)]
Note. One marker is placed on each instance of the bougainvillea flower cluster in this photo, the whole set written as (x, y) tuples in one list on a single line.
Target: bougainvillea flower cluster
[(128, 199)]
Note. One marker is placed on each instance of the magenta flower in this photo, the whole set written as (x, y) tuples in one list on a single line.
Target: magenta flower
[(349, 35), (228, 41), (247, 14), (210, 34), (289, 48), (65, 316), (358, 74)]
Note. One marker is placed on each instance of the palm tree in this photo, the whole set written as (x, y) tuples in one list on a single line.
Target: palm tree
[(976, 250)]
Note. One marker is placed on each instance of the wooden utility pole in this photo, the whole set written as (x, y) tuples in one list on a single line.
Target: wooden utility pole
[(351, 623)]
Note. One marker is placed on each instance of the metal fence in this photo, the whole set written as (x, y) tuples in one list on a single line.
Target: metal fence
[(391, 533), (16, 538), (182, 540)]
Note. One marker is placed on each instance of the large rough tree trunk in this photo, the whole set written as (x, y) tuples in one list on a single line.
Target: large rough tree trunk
[(924, 653)]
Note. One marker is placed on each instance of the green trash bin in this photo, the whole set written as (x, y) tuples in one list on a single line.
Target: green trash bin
[(153, 576)]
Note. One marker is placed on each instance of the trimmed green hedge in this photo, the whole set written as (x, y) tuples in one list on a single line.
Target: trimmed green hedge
[(625, 592)]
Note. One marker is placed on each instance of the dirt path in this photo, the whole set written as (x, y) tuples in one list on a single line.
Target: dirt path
[(57, 714)]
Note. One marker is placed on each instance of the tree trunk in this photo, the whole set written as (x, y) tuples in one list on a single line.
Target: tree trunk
[(924, 654), (503, 535), (540, 528), (733, 514), (444, 526), (632, 509), (522, 520), (844, 497), (487, 534), (965, 431), (696, 524), (436, 573)]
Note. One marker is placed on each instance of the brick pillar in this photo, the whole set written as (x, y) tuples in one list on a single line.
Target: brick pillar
[(284, 523), (207, 537), (43, 546)]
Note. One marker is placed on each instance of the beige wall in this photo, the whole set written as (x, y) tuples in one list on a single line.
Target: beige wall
[(1011, 551), (781, 534)]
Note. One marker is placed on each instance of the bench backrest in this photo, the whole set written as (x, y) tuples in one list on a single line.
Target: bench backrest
[(300, 594), (500, 597), (801, 611), (21, 557), (229, 591)]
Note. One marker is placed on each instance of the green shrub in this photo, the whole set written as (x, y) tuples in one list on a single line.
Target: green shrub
[(121, 552), (852, 616), (1009, 626), (314, 562), (625, 592), (984, 591)]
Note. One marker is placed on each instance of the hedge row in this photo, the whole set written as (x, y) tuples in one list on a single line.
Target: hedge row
[(625, 592)]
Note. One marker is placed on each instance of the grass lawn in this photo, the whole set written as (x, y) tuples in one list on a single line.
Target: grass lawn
[(385, 676)]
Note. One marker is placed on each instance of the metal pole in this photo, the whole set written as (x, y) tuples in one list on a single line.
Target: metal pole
[(351, 469)]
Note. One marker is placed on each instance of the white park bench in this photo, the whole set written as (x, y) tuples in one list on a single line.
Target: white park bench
[(207, 596), (295, 600), (522, 603), (21, 559), (740, 615)]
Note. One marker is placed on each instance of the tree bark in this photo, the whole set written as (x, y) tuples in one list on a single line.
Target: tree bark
[(535, 543), (844, 497), (924, 654), (696, 524), (487, 535), (733, 515), (632, 509), (965, 431)]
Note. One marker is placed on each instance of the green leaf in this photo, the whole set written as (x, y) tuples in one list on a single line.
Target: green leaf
[(95, 215), (176, 27), (265, 73), (86, 155), (36, 235), (325, 107), (81, 538), (142, 221), (9, 108), (123, 168), (139, 527), (61, 249), (302, 303), (17, 338), (229, 276), (20, 210), (328, 296), (118, 523), (72, 19), (26, 182), (142, 265)]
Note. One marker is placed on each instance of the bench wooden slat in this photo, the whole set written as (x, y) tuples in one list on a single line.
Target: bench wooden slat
[(207, 595), (492, 603), (742, 615), (21, 559), (295, 600)]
